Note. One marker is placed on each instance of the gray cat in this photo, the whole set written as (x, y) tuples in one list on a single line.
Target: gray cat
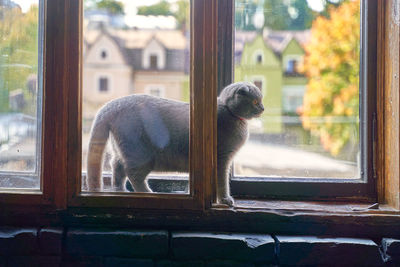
[(152, 134)]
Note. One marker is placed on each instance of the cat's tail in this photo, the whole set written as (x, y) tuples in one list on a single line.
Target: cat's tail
[(98, 140)]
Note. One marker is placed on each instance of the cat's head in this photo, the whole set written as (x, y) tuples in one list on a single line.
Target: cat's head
[(243, 99)]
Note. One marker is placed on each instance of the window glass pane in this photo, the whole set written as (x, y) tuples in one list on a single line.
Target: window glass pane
[(135, 65), (20, 93), (309, 75)]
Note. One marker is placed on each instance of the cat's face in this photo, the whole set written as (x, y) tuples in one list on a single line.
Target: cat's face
[(244, 100)]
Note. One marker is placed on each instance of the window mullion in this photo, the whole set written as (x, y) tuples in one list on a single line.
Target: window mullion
[(203, 98), (55, 127)]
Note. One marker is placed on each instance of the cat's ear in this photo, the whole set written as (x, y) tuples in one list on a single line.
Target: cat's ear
[(243, 90)]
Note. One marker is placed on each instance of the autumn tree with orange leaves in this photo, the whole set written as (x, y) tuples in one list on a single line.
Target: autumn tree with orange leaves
[(331, 102)]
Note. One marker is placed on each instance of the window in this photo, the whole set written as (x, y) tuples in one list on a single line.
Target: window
[(291, 66), (103, 54), (292, 99), (21, 73), (155, 90), (120, 169), (259, 59), (314, 137), (153, 62), (158, 51), (64, 121), (103, 85)]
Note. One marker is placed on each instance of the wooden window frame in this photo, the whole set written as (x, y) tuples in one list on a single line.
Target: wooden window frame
[(202, 128), (52, 117), (331, 189), (58, 203)]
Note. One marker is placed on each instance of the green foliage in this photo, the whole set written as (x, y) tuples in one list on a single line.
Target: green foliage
[(182, 14), (162, 8), (303, 15), (280, 14), (276, 15), (18, 52), (112, 6)]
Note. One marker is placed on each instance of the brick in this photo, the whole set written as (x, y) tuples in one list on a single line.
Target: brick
[(209, 246), (227, 263), (23, 261), (122, 262), (18, 241), (170, 263), (103, 242), (82, 261), (311, 250), (50, 240), (391, 250)]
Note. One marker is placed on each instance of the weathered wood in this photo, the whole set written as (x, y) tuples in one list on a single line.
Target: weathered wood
[(391, 101), (208, 112), (225, 37), (380, 117), (311, 219), (54, 128), (74, 9)]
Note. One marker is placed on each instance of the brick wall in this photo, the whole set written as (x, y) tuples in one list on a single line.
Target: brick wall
[(108, 247)]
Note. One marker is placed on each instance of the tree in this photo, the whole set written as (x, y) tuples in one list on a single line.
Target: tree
[(302, 15), (331, 4), (276, 15), (18, 52), (332, 66), (112, 6), (162, 8), (182, 14)]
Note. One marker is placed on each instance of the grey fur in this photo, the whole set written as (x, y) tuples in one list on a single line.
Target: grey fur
[(150, 133)]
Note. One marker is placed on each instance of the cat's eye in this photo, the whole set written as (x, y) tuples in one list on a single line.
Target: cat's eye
[(255, 101)]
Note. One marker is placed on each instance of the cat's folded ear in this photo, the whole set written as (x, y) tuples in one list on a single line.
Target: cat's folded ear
[(243, 90)]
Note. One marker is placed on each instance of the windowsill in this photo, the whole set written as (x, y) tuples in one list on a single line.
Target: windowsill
[(249, 216), (292, 207)]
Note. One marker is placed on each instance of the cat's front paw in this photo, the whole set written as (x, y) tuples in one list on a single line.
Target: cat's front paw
[(228, 200)]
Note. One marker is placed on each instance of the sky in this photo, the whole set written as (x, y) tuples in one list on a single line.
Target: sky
[(131, 5), (25, 4), (317, 5)]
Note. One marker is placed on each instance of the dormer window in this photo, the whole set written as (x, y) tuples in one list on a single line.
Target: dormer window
[(153, 61), (154, 56), (291, 66), (259, 59), (103, 54)]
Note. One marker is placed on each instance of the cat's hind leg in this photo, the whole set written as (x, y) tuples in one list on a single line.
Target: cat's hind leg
[(118, 174), (137, 177)]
